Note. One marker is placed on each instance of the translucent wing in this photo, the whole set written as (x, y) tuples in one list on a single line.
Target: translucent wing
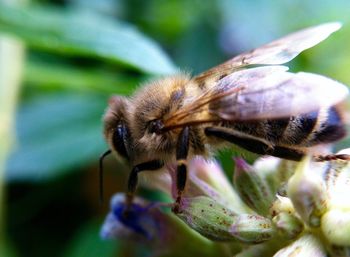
[(280, 94), (277, 52), (233, 93), (268, 92)]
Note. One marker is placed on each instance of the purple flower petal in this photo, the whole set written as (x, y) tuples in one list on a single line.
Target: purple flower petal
[(138, 220)]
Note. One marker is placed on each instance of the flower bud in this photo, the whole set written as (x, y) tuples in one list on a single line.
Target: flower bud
[(288, 225), (335, 225), (266, 168), (249, 228), (252, 188), (208, 174), (207, 217), (164, 234), (275, 172), (337, 179), (281, 204), (306, 246), (139, 221), (216, 222), (307, 191), (206, 178), (285, 170)]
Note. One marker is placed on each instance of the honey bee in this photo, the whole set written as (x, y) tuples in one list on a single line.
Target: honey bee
[(250, 101)]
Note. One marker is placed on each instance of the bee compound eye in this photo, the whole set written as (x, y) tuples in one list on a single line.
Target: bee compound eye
[(156, 126), (120, 139)]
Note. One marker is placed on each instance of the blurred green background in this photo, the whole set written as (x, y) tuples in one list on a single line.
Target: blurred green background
[(60, 60)]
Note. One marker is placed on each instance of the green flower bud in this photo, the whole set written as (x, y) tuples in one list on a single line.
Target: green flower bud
[(335, 225), (216, 222), (249, 228), (285, 170), (274, 171), (252, 188), (305, 246), (308, 193), (266, 168), (288, 225), (208, 217)]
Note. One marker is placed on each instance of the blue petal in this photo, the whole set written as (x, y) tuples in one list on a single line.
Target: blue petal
[(134, 218), (130, 221)]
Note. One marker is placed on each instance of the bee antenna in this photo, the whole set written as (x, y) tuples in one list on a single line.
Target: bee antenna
[(101, 173)]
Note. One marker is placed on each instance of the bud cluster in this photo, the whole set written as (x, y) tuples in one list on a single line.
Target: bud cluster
[(287, 207), (272, 208)]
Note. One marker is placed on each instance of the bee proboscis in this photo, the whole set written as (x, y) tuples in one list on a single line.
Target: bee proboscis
[(250, 101)]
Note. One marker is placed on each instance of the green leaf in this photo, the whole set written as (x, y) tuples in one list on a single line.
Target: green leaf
[(55, 134), (48, 75), (87, 243), (85, 34)]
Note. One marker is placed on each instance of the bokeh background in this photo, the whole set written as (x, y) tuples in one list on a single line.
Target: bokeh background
[(60, 60)]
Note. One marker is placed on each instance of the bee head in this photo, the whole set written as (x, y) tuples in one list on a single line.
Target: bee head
[(116, 129)]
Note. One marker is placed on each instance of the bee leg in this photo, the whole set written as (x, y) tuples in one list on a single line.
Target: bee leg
[(254, 144), (332, 157), (181, 159), (133, 178)]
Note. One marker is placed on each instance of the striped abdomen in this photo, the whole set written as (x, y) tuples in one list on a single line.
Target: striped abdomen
[(286, 137), (318, 127)]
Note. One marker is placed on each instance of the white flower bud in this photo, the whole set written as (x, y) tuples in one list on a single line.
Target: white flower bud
[(307, 191), (305, 246), (335, 226)]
